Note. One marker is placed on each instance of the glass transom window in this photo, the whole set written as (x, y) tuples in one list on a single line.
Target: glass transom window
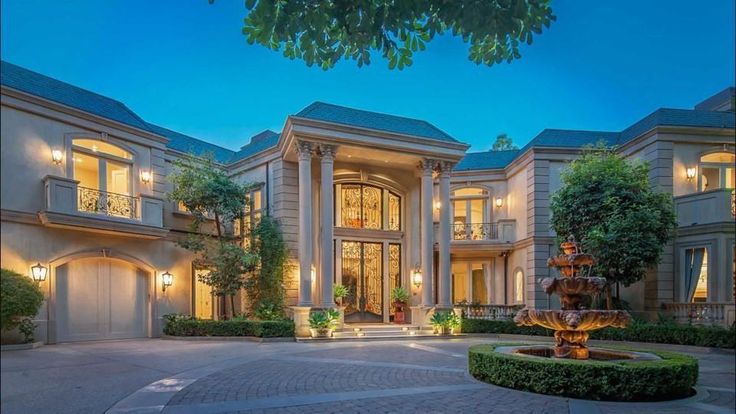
[(363, 206)]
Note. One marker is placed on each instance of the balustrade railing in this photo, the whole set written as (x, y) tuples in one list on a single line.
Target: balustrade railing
[(107, 203), (489, 312), (475, 231), (703, 313)]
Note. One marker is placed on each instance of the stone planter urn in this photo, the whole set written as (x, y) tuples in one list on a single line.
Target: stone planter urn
[(321, 332)]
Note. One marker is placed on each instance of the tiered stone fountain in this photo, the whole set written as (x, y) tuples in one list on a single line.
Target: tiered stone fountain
[(573, 322)]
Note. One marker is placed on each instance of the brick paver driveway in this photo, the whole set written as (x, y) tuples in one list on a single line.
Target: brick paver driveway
[(427, 376)]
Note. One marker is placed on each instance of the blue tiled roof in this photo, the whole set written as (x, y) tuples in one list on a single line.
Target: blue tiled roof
[(566, 138), (679, 117), (259, 142), (191, 145), (365, 119), (486, 160), (34, 83)]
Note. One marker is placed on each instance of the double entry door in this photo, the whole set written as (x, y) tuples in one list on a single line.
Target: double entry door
[(362, 274)]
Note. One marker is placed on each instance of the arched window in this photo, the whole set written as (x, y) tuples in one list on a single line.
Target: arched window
[(518, 286), (104, 172), (470, 214), (717, 171), (364, 206)]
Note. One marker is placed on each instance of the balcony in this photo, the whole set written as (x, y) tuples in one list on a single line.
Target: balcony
[(87, 209), (708, 207), (502, 231)]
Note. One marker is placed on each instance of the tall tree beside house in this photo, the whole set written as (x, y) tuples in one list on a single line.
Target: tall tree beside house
[(323, 32), (215, 203), (265, 285), (607, 203), (503, 143)]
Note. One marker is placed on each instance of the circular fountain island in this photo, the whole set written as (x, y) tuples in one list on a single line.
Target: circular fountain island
[(571, 368)]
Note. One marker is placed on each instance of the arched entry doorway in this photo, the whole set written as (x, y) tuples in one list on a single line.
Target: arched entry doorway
[(99, 298)]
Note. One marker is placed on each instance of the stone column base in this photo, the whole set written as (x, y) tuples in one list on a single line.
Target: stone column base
[(301, 321), (420, 316)]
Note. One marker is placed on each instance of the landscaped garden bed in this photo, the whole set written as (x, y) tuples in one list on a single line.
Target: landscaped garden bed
[(638, 331), (670, 376), (187, 326)]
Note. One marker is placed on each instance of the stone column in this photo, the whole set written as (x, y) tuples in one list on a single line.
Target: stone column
[(444, 279), (304, 149), (427, 242), (327, 153)]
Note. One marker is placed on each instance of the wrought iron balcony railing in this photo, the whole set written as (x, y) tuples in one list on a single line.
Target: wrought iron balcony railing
[(107, 203), (475, 231)]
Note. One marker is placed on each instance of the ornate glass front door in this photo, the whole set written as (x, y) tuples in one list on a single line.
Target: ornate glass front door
[(362, 274)]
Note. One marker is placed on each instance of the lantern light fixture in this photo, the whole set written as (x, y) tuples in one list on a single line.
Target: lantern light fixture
[(499, 202), (416, 276), (56, 156), (38, 272), (167, 279), (437, 205), (690, 173), (146, 176)]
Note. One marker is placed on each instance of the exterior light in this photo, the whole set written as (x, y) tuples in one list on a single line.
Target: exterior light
[(146, 176), (416, 276), (167, 279), (499, 202), (690, 172), (38, 272), (56, 156)]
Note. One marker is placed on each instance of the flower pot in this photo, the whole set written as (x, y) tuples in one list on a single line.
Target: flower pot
[(321, 332), (444, 330), (399, 315)]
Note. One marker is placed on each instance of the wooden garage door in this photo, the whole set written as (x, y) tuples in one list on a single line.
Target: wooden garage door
[(100, 299)]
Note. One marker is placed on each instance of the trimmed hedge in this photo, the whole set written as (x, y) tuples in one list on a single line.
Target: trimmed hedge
[(663, 333), (196, 327), (674, 376)]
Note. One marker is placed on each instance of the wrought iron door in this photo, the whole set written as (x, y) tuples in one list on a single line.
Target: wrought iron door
[(362, 274)]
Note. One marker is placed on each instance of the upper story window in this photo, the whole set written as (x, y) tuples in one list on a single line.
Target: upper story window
[(363, 206), (717, 170), (469, 213)]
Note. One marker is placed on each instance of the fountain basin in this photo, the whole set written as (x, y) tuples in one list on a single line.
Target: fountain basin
[(580, 286), (573, 320)]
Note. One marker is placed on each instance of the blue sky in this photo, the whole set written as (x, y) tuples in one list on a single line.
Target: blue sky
[(185, 65)]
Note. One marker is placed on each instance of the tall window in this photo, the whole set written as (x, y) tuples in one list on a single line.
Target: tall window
[(363, 206), (104, 173), (470, 214), (254, 209), (202, 300), (519, 286), (717, 170), (696, 275)]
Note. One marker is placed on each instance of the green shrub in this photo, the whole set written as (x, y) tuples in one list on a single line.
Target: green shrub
[(20, 299), (638, 331), (674, 376), (185, 325)]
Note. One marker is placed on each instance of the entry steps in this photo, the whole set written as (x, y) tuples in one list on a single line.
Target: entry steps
[(378, 332)]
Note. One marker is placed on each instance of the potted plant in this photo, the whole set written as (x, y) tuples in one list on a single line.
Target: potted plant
[(322, 323), (444, 323), (340, 292), (400, 298)]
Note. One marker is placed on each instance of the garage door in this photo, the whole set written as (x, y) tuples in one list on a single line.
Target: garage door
[(100, 299)]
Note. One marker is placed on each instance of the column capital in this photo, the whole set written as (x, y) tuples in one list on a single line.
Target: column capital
[(304, 149), (327, 152), (445, 168), (427, 166)]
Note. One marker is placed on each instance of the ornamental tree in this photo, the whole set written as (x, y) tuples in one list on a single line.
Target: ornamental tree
[(215, 203), (608, 205), (323, 32)]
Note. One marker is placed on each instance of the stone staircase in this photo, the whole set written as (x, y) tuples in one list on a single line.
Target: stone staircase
[(377, 332)]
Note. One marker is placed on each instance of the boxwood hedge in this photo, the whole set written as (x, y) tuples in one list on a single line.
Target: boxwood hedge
[(187, 326), (638, 331), (674, 376)]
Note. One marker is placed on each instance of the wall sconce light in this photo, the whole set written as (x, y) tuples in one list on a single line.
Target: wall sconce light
[(167, 279), (690, 173), (146, 176), (416, 276), (499, 202), (437, 205), (38, 272), (56, 156)]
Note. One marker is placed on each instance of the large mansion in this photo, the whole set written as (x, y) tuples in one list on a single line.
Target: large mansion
[(368, 200)]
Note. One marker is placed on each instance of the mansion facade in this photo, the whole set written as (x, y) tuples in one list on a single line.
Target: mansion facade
[(368, 200)]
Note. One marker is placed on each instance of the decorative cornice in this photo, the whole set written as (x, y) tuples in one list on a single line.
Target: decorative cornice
[(304, 149)]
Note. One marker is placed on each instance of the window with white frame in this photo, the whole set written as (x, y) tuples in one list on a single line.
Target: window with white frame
[(470, 214), (717, 170)]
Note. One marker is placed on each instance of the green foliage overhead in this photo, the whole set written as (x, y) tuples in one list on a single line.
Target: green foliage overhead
[(20, 299), (503, 143), (607, 203), (323, 32), (673, 376), (265, 286)]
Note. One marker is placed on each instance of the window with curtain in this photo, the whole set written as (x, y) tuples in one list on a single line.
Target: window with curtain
[(717, 170), (696, 275)]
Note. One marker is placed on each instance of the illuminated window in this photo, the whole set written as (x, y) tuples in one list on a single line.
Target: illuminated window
[(101, 147), (519, 286), (254, 209), (203, 300), (717, 170), (104, 172), (470, 214), (362, 206)]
